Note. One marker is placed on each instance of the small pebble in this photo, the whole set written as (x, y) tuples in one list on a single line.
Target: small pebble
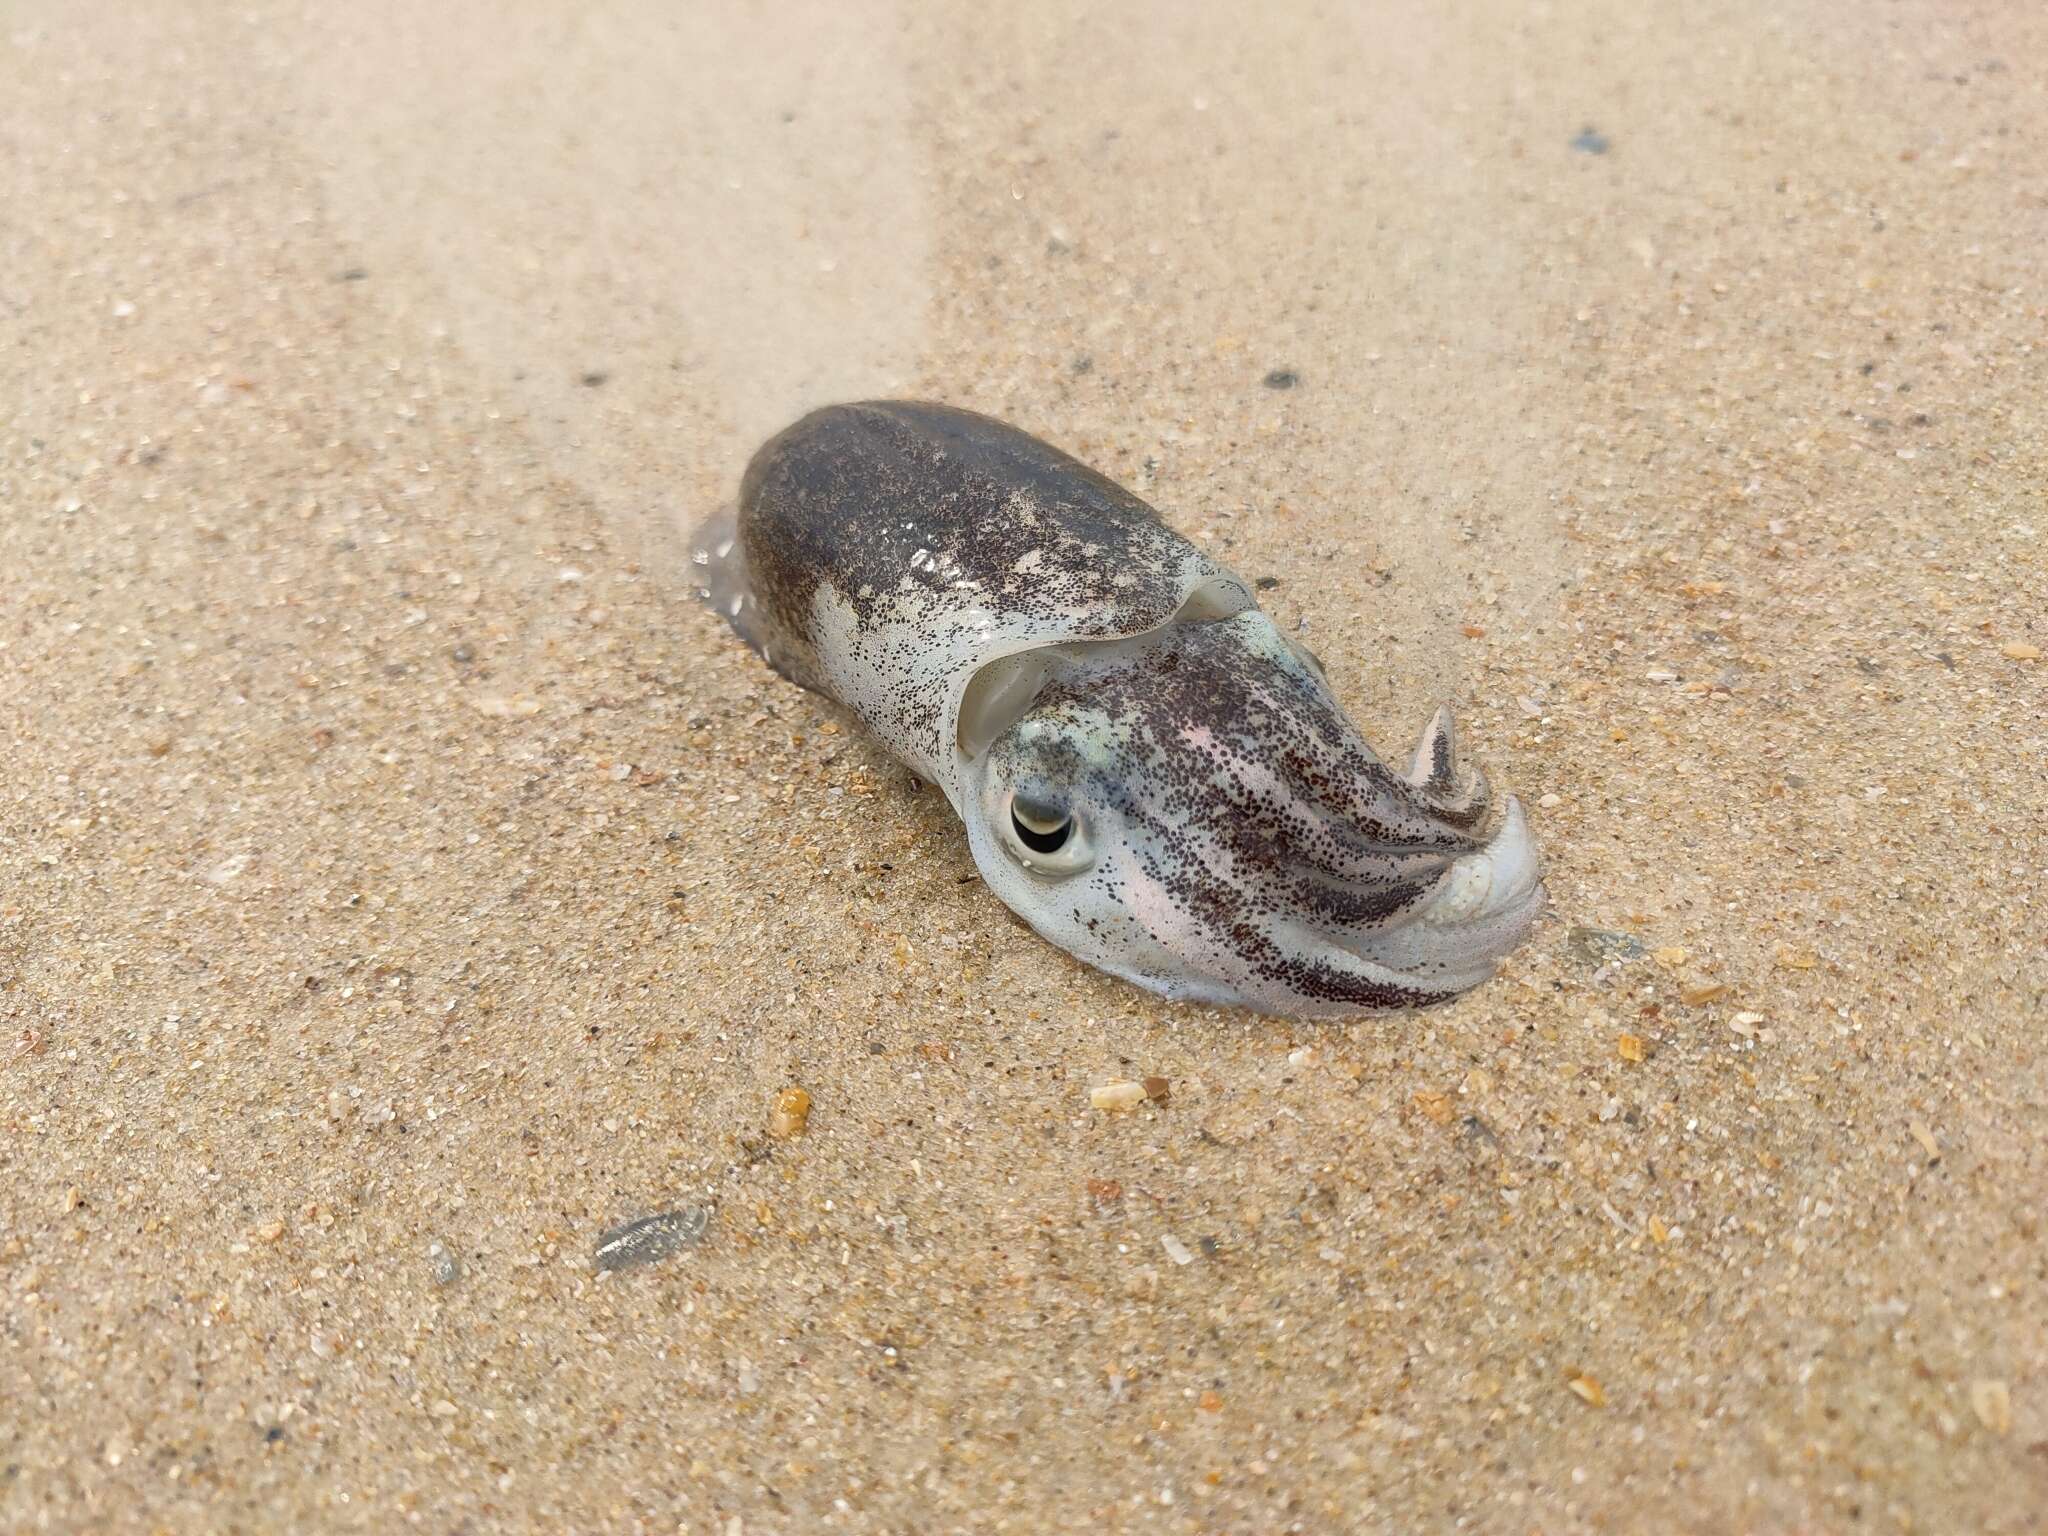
[(1599, 946), (1282, 378), (790, 1114), (1591, 141), (1117, 1096), (1176, 1250), (1436, 1106), (651, 1238), (1992, 1403), (442, 1263)]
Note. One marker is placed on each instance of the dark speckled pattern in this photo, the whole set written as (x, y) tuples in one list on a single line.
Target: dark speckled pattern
[(1248, 845), (887, 492), (1233, 789), (948, 539)]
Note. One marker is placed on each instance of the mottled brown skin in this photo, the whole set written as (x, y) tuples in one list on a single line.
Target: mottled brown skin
[(854, 490), (1248, 800), (1234, 838)]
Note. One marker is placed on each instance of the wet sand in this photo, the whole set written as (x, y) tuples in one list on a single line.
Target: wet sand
[(403, 884)]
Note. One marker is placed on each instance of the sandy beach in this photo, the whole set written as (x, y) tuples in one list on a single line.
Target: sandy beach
[(404, 883)]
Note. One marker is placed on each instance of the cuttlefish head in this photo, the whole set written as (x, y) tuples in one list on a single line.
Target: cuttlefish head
[(1192, 810)]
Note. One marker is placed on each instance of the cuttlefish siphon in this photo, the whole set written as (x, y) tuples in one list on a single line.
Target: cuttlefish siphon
[(1151, 774)]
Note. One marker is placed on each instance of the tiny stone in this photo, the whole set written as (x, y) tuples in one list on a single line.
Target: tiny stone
[(496, 707), (1591, 141), (1176, 1250), (1267, 583), (651, 1238), (790, 1114), (595, 377), (1117, 1096), (1551, 801), (1992, 1403), (1600, 946), (1157, 1089), (442, 1263), (1436, 1106), (1282, 378)]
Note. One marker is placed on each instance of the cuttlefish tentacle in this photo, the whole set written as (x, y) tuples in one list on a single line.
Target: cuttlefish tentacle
[(1285, 860)]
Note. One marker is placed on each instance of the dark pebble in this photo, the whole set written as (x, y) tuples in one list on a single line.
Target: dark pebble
[(1082, 365), (274, 1434), (1591, 141), (1282, 378), (651, 1238), (1267, 583), (354, 275), (595, 377)]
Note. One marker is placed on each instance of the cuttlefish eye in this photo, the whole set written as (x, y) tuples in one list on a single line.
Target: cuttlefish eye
[(1047, 837)]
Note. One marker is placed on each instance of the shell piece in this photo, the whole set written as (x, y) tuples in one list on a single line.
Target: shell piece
[(1149, 772)]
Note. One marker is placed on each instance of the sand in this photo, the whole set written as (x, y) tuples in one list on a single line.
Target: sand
[(403, 883)]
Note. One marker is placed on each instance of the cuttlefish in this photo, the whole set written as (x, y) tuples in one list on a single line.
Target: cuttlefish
[(1151, 774)]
